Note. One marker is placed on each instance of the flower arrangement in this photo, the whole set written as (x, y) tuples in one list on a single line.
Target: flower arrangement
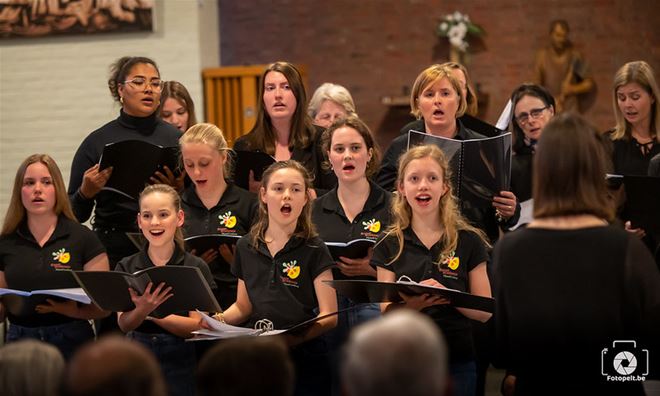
[(456, 27)]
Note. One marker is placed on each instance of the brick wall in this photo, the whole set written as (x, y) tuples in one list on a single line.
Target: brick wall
[(53, 91), (377, 47)]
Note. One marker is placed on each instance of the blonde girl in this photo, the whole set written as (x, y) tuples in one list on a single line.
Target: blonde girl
[(430, 243)]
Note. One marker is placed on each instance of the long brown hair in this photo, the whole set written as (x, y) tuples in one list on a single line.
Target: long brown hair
[(176, 203), (178, 92), (569, 170), (471, 96), (262, 135), (448, 213), (304, 227), (354, 122), (16, 211)]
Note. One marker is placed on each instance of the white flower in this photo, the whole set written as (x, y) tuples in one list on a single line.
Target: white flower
[(444, 26), (456, 31), (450, 18), (462, 28), (458, 16)]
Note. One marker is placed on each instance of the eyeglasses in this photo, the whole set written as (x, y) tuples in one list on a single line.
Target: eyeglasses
[(141, 83), (523, 118)]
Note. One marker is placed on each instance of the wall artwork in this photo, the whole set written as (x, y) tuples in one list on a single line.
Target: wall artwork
[(40, 18)]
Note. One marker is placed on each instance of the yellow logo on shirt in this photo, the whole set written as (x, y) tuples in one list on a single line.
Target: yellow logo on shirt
[(451, 261), (372, 225), (291, 269), (62, 256), (227, 220)]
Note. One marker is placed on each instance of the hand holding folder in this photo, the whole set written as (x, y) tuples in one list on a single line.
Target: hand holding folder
[(133, 162), (246, 161), (20, 302), (109, 289), (368, 291)]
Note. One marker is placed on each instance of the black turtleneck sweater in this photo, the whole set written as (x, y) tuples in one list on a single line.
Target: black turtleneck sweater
[(112, 209)]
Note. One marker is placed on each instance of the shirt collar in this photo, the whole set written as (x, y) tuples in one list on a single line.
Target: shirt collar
[(376, 197), (190, 197), (62, 229), (176, 259)]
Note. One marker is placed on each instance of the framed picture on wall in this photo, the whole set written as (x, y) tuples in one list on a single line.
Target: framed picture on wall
[(41, 18)]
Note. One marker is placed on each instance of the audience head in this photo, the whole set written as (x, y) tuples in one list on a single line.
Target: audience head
[(204, 152), (135, 82), (351, 149), (329, 103), (532, 106), (559, 34), (114, 366), (635, 99), (38, 189), (402, 353), (569, 170), (162, 201), (291, 178), (283, 98), (176, 106), (460, 72), (30, 368), (246, 366), (437, 97)]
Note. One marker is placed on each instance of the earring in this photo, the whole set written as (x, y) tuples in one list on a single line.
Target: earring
[(121, 99)]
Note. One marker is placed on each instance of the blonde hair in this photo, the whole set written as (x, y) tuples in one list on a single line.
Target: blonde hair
[(304, 227), (16, 212), (212, 136), (641, 73), (176, 203), (471, 101), (430, 75), (448, 213), (334, 93)]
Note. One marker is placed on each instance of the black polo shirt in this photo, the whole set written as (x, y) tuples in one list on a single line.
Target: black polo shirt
[(419, 263), (232, 215), (28, 266), (141, 260), (281, 288), (333, 225)]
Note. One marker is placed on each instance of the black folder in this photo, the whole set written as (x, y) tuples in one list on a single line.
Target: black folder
[(133, 163), (481, 168), (355, 249), (365, 291), (203, 243), (20, 302), (109, 289), (643, 202), (246, 161)]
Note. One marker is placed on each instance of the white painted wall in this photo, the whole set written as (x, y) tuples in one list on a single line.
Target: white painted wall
[(53, 91)]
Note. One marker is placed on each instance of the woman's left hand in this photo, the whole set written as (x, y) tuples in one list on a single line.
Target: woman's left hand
[(357, 267), (67, 308), (505, 204)]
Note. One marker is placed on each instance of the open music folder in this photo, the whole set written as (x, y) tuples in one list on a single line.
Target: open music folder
[(481, 168), (263, 327), (109, 289), (133, 163), (643, 202), (246, 161), (355, 249), (21, 302), (369, 291)]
